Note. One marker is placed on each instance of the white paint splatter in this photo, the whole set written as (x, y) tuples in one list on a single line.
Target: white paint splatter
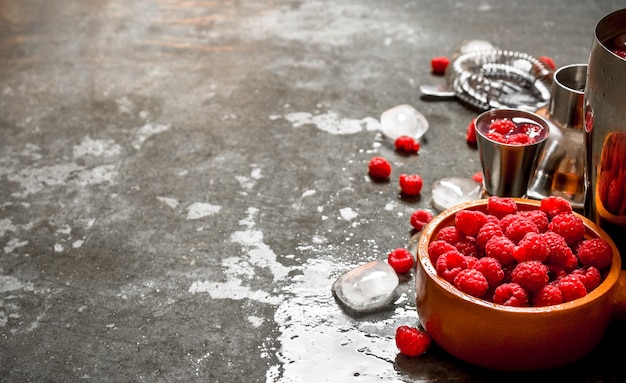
[(96, 148), (255, 320), (332, 123), (248, 183), (13, 244), (249, 220), (147, 131), (233, 289), (10, 283), (171, 202), (200, 210), (348, 214), (6, 225), (58, 248), (260, 254), (78, 243), (308, 193)]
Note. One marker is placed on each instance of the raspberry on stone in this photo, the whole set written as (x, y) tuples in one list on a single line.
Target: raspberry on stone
[(411, 341), (500, 248), (554, 205), (532, 247), (501, 206), (469, 222), (450, 264), (470, 134), (547, 295), (406, 144), (547, 61), (401, 260), (491, 269), (518, 229), (569, 226), (437, 248), (510, 294), (379, 168), (439, 64), (595, 252), (411, 185), (472, 282), (420, 218), (531, 275), (571, 288)]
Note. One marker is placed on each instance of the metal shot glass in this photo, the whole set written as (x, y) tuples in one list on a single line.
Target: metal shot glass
[(507, 168)]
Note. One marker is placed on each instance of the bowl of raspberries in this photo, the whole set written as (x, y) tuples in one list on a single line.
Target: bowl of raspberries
[(517, 285)]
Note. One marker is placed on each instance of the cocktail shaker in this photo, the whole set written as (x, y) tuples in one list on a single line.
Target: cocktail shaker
[(605, 128)]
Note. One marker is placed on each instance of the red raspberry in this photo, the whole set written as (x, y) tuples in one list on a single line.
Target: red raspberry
[(379, 168), (411, 341), (500, 206), (407, 144), (486, 232), (595, 252), (554, 205), (532, 247), (471, 261), (450, 264), (468, 247), (478, 177), (519, 228), (439, 64), (539, 218), (507, 219), (470, 135), (495, 136), (559, 253), (420, 218), (471, 282), (411, 185), (520, 139), (548, 295), (450, 234), (531, 275), (548, 62), (510, 294), (571, 288), (556, 272), (589, 276), (569, 227), (502, 126), (437, 248), (469, 222), (500, 248), (400, 260), (491, 269)]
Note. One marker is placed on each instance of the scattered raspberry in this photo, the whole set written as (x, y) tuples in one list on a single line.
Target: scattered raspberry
[(450, 234), (469, 222), (439, 64), (532, 247), (437, 248), (559, 253), (500, 206), (539, 218), (407, 144), (486, 232), (554, 205), (569, 227), (411, 341), (478, 177), (531, 275), (589, 276), (411, 185), (547, 295), (468, 247), (518, 229), (491, 269), (571, 288), (450, 264), (472, 282), (547, 61), (500, 248), (470, 135), (510, 294), (401, 260), (595, 252), (379, 168), (420, 218)]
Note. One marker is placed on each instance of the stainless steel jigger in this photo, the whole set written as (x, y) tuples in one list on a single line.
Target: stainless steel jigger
[(561, 168), (507, 168)]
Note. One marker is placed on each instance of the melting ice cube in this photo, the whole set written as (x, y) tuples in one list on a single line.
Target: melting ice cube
[(369, 287), (448, 192), (403, 120)]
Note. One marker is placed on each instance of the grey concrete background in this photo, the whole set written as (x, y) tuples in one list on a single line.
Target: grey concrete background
[(182, 181)]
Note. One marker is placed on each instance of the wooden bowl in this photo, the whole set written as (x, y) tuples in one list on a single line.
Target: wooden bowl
[(513, 338)]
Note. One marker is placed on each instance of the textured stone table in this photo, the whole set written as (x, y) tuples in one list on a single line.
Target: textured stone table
[(182, 182)]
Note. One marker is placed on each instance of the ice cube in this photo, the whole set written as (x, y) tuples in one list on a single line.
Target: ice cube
[(367, 288), (403, 120), (448, 192)]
